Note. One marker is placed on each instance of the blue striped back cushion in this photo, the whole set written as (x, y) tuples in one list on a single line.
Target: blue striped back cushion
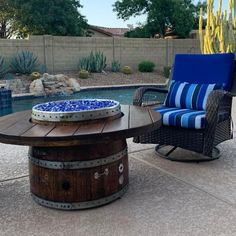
[(190, 96)]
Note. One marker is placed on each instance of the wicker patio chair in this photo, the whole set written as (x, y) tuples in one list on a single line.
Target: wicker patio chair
[(216, 122)]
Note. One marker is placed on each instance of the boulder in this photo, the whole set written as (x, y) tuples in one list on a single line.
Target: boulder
[(37, 88), (47, 77), (61, 77), (16, 85), (49, 83), (54, 85), (74, 84)]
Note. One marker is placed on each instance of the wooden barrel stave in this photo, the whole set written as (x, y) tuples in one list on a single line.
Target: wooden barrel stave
[(80, 153), (82, 185)]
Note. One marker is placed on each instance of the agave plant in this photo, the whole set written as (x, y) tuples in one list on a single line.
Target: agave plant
[(3, 67), (24, 62), (115, 66)]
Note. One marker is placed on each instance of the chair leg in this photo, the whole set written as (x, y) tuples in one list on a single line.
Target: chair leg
[(165, 151)]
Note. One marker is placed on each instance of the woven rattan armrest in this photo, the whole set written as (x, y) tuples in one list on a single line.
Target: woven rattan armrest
[(139, 94), (218, 101), (230, 94)]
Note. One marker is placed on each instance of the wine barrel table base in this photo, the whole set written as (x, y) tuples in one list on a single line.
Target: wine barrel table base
[(78, 166), (78, 177)]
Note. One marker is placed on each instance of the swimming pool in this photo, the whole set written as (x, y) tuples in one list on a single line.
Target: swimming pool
[(122, 95)]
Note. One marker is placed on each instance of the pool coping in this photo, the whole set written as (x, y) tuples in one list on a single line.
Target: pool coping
[(22, 96), (160, 85)]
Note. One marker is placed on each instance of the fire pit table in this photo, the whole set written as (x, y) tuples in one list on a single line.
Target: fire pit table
[(78, 156)]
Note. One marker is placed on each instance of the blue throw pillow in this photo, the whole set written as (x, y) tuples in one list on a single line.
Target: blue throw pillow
[(190, 96)]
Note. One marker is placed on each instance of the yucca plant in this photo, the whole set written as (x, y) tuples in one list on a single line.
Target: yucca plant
[(3, 67), (97, 62), (25, 62)]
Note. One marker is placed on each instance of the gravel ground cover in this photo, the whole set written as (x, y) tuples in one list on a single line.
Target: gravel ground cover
[(108, 78), (111, 78), (22, 83)]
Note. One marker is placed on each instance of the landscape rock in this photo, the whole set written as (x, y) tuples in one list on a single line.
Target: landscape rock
[(54, 85), (37, 88), (74, 84), (16, 85), (61, 77), (47, 77)]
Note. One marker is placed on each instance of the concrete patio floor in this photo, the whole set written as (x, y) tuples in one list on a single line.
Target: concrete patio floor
[(164, 198)]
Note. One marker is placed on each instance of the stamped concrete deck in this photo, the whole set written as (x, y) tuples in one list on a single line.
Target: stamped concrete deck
[(164, 198)]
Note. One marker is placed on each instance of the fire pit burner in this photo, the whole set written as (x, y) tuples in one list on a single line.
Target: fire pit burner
[(75, 110)]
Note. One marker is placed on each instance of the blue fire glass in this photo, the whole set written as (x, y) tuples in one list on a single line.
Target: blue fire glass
[(75, 105)]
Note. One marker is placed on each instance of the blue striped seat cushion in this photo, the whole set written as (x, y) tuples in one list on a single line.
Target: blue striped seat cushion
[(186, 118), (190, 96)]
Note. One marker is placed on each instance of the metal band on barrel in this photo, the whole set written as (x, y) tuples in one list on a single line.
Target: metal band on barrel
[(76, 116), (79, 205), (71, 165)]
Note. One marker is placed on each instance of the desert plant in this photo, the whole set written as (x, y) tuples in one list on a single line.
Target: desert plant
[(115, 66), (35, 75), (127, 70), (83, 74), (146, 66), (95, 62), (42, 69), (84, 64), (220, 35), (9, 76), (24, 62), (166, 71), (3, 67)]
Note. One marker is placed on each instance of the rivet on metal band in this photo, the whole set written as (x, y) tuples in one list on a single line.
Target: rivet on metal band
[(71, 165), (79, 205)]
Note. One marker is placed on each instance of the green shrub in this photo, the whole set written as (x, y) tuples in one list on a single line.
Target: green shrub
[(24, 62), (3, 67), (166, 71), (127, 70), (83, 74), (95, 62), (115, 66), (146, 66)]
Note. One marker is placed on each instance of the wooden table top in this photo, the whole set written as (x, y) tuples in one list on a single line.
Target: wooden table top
[(18, 129)]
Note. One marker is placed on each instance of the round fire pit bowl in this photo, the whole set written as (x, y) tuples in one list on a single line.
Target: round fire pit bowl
[(75, 110)]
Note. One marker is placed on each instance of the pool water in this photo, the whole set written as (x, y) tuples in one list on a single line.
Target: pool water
[(122, 95)]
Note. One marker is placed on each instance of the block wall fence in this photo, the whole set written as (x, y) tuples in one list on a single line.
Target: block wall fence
[(63, 53)]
